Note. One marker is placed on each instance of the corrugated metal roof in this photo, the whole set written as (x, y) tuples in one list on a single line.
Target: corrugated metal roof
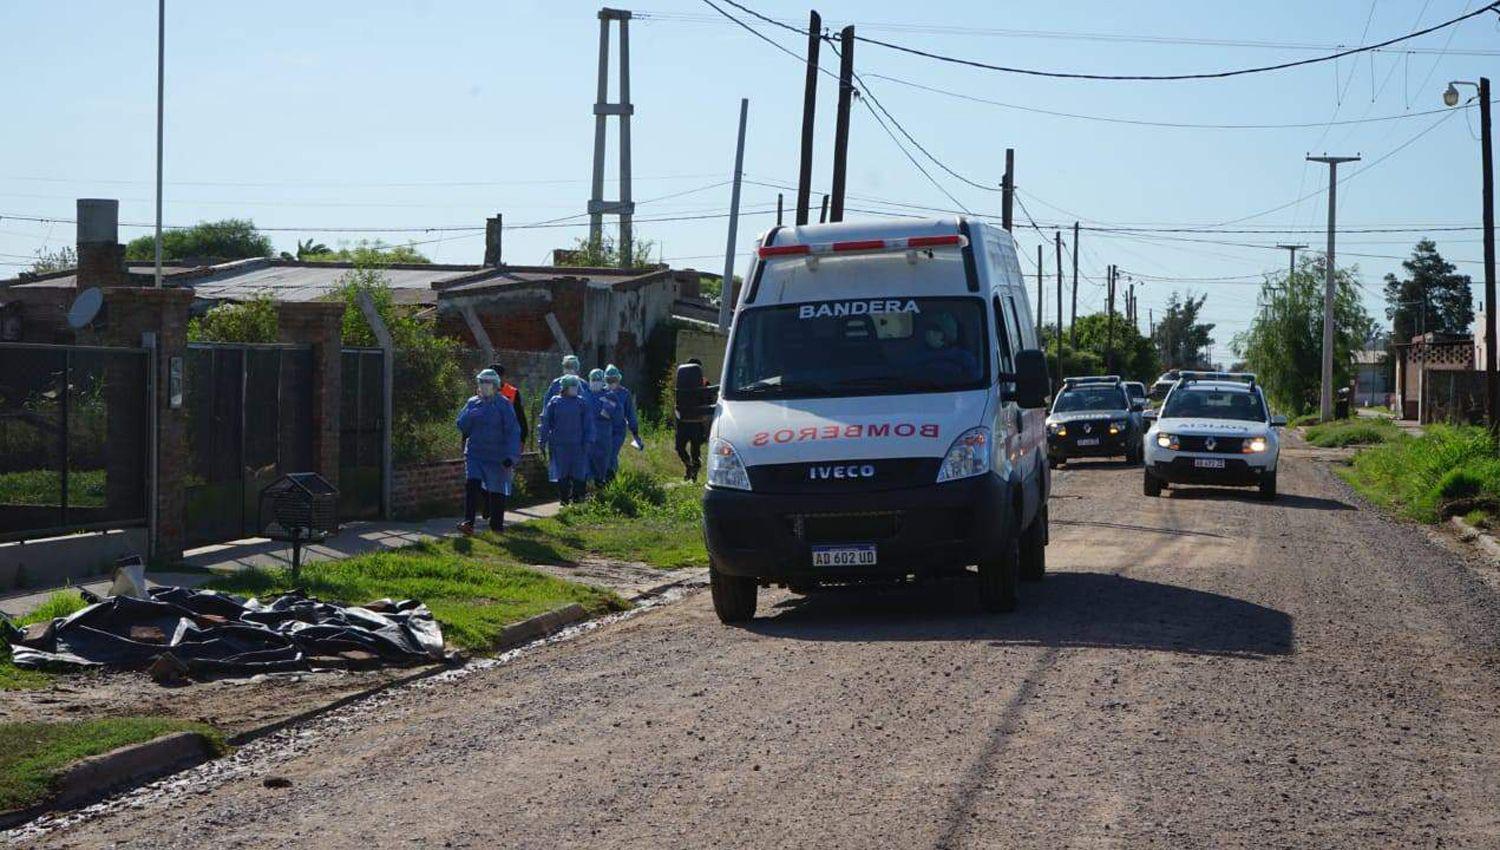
[(313, 282), (474, 283)]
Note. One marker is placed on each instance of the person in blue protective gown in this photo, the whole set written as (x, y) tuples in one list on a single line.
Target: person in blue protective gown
[(566, 434), (492, 444), (570, 366), (606, 411), (614, 388)]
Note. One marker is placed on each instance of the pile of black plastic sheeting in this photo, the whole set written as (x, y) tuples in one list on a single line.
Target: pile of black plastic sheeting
[(206, 634)]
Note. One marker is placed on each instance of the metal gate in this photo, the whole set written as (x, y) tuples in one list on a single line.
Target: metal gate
[(249, 410), (74, 438), (361, 431)]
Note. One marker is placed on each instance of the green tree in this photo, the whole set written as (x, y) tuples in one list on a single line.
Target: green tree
[(1284, 345), (1181, 340), (429, 381), (363, 252), (248, 321), (1132, 356), (605, 252), (1432, 297), (55, 261), (229, 239)]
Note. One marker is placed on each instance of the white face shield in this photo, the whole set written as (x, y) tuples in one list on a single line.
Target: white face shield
[(487, 390), (596, 386)]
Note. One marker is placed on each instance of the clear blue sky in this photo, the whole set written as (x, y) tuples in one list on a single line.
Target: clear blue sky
[(394, 113)]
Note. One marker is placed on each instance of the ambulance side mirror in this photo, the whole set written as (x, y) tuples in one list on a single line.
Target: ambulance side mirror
[(1032, 383)]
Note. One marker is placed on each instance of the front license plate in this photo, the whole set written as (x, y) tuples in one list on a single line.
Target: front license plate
[(1089, 441), (843, 556), (1208, 463)]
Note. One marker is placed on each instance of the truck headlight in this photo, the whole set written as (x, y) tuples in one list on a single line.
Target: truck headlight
[(1117, 426), (1058, 429), (1167, 441), (1255, 445), (967, 457), (725, 469)]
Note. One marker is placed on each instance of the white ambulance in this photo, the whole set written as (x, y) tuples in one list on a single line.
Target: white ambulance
[(881, 415)]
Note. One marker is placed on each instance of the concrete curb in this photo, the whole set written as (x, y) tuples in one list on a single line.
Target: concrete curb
[(95, 777)]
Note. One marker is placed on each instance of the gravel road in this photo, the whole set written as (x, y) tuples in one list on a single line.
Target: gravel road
[(1200, 670)]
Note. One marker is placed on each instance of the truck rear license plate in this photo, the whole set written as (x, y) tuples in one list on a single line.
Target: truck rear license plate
[(1089, 441), (1208, 463), (844, 556)]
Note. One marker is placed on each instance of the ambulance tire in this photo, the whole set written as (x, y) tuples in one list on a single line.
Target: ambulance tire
[(734, 596), (999, 575), (1034, 549)]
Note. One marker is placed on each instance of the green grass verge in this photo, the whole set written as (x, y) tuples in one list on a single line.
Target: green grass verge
[(32, 755), (1304, 420), (60, 604), (1448, 470), (44, 487), (1353, 432)]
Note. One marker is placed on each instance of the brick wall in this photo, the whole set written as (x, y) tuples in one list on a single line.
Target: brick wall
[(437, 488)]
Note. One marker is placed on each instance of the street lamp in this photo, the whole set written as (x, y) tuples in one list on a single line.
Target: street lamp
[(1491, 377)]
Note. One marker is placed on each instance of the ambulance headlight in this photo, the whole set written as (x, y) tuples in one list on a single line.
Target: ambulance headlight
[(968, 456), (725, 469)]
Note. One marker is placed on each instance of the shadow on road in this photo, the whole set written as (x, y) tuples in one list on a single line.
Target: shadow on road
[(1285, 500), (1097, 463), (1125, 526), (1065, 610)]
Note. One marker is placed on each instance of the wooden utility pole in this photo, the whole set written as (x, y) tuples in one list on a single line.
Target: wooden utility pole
[(1073, 323), (1109, 327), (1058, 242), (1040, 308), (1008, 189), (778, 209), (823, 212), (841, 122), (809, 111)]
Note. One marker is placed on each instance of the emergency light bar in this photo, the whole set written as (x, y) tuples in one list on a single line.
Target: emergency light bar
[(864, 246)]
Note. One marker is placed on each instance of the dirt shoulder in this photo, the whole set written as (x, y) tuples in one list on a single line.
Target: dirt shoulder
[(1201, 670)]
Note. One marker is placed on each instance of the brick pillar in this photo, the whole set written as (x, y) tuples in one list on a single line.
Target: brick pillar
[(321, 325), (132, 312)]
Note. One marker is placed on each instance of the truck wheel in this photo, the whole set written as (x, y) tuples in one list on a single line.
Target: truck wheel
[(1152, 486), (1034, 549), (1268, 487), (999, 573), (734, 596)]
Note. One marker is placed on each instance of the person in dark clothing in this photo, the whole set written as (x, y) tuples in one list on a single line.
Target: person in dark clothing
[(692, 415), (512, 394)]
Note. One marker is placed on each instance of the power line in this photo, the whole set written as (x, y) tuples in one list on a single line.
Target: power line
[(1067, 35), (1173, 125), (1210, 75)]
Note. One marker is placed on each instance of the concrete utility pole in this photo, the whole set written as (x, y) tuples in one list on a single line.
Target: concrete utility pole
[(161, 71), (841, 122), (1073, 323), (624, 207), (726, 289), (1008, 189), (1325, 406), (1058, 242), (809, 110), (1291, 267)]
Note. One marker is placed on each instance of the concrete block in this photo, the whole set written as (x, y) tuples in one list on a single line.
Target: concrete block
[(54, 561)]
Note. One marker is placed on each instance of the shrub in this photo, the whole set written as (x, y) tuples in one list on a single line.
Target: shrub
[(1352, 432), (250, 321), (631, 493), (1305, 420), (1421, 477)]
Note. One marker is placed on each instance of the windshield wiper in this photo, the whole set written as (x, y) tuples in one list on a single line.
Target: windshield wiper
[(772, 386)]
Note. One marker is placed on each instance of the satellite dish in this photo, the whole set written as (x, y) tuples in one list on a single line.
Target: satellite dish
[(85, 308)]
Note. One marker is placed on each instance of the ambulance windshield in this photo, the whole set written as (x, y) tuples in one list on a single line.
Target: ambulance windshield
[(880, 346)]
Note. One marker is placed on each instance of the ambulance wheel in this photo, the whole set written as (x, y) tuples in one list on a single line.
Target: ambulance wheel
[(1034, 549), (999, 574), (734, 596)]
